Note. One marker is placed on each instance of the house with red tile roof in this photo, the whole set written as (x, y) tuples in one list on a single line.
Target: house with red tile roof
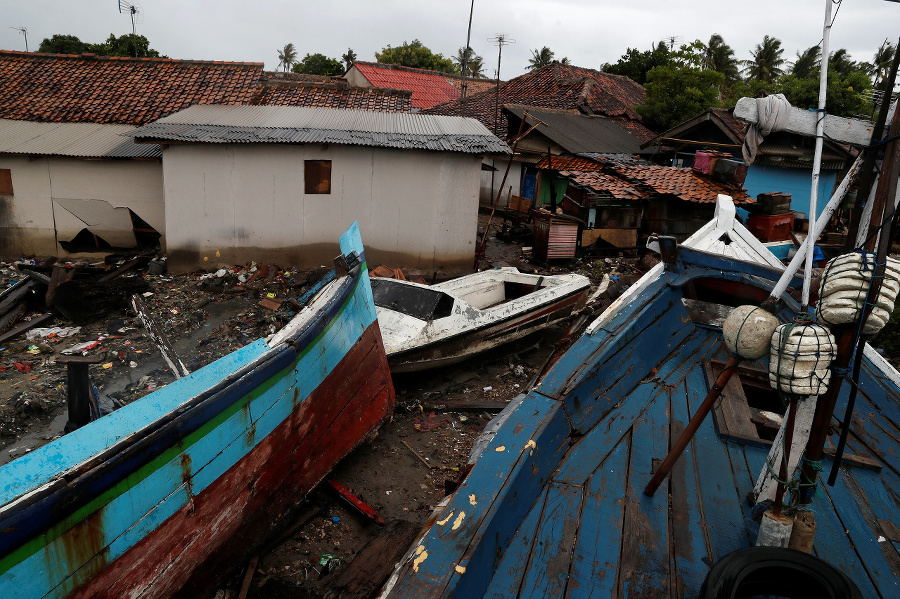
[(428, 88), (622, 200), (575, 109), (783, 163), (69, 175)]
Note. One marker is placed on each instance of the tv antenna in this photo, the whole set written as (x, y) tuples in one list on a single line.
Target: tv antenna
[(499, 39), (137, 14), (24, 31), (671, 41)]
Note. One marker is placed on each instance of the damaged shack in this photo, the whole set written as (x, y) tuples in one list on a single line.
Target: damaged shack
[(271, 183), (621, 199)]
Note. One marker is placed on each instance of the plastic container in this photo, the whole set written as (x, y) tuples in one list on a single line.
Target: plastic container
[(771, 227)]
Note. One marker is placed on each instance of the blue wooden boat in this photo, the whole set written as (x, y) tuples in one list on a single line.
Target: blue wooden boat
[(554, 505), (155, 498)]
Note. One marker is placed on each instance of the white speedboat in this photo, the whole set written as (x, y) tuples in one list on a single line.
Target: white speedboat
[(424, 326)]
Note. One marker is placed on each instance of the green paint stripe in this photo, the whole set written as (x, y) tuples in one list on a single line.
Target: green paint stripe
[(43, 539)]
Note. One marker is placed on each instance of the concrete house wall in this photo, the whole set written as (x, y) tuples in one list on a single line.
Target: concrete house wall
[(54, 198), (228, 204)]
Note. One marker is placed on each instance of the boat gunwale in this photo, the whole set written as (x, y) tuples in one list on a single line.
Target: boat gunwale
[(23, 518)]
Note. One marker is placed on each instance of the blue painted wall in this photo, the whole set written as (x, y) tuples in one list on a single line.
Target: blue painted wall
[(795, 181)]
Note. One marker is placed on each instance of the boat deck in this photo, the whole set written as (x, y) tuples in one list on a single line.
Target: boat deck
[(554, 506), (592, 531)]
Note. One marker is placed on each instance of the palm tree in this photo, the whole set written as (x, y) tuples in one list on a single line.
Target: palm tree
[(882, 62), (718, 56), (541, 58), (767, 60), (287, 57), (842, 64), (806, 63), (474, 64), (349, 58)]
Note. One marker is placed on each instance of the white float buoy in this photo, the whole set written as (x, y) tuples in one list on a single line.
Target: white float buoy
[(845, 285), (748, 330), (800, 358)]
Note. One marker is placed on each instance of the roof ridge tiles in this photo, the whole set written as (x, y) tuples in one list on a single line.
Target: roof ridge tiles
[(92, 56)]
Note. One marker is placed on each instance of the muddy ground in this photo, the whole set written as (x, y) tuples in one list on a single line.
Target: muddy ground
[(410, 466)]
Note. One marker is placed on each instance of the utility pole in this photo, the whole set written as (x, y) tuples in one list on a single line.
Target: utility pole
[(465, 63)]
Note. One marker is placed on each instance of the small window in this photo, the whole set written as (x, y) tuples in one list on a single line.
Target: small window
[(5, 181), (317, 176)]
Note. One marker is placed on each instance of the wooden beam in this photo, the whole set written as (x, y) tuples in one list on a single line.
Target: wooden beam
[(803, 122), (766, 483)]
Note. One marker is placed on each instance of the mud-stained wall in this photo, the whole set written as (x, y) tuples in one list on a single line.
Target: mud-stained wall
[(229, 204), (56, 197)]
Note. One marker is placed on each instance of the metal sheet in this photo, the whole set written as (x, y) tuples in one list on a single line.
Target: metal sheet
[(292, 124), (87, 140)]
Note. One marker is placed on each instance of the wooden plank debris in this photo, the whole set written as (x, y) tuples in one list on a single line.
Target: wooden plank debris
[(803, 122), (159, 337), (131, 264), (371, 567), (248, 577), (26, 326)]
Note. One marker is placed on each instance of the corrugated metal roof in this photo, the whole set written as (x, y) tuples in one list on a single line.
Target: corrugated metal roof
[(292, 124), (579, 133), (85, 140)]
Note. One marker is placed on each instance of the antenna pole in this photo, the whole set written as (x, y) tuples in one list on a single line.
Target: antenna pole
[(133, 34), (465, 63), (501, 39), (24, 31)]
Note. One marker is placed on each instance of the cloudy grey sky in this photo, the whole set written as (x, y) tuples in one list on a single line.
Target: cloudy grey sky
[(588, 32)]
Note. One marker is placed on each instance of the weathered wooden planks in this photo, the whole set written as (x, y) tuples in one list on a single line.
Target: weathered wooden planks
[(644, 563), (373, 564)]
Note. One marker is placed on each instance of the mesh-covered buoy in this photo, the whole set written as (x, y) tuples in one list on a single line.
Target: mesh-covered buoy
[(748, 331), (800, 358), (845, 284)]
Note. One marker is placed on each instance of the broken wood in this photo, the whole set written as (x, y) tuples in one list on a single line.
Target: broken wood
[(803, 122), (464, 405), (14, 295), (8, 320), (371, 567), (162, 342), (248, 577), (417, 454), (26, 326), (270, 304), (131, 264), (58, 277), (355, 501)]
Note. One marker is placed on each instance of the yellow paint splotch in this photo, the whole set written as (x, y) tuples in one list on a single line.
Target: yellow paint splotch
[(472, 499), (447, 519), (421, 556), (459, 520)]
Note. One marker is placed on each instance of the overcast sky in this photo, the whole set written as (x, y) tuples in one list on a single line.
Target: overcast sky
[(588, 32)]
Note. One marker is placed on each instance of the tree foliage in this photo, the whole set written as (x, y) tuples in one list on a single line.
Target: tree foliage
[(474, 64), (767, 60), (415, 54), (674, 94), (64, 44), (806, 63), (635, 64), (718, 56), (318, 64), (349, 58), (124, 45), (543, 57), (287, 57)]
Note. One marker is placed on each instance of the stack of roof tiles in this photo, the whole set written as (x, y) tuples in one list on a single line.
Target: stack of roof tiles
[(558, 86), (640, 180), (128, 91)]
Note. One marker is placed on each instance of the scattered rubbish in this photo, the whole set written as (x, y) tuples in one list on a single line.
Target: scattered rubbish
[(335, 519), (33, 349), (80, 348), (59, 332), (417, 454), (488, 389), (106, 366)]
